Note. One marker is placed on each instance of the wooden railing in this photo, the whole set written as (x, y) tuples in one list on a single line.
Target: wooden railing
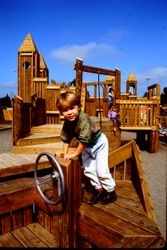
[(139, 114)]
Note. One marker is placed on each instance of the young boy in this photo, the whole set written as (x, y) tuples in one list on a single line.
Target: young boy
[(92, 146)]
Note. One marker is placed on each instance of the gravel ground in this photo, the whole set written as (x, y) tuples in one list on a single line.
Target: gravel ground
[(154, 166)]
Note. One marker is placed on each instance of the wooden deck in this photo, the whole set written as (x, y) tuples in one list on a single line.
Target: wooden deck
[(32, 235), (128, 222), (14, 164), (117, 225)]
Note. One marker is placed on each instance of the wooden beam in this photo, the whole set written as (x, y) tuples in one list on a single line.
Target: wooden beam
[(96, 70), (96, 83)]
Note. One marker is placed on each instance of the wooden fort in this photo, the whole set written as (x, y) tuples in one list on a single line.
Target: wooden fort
[(26, 219), (35, 103)]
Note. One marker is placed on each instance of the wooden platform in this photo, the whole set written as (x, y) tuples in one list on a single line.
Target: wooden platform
[(33, 235), (118, 224), (122, 224), (44, 138), (128, 222), (12, 164)]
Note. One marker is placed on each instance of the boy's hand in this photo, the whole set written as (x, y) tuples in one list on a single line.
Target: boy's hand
[(69, 156), (59, 155)]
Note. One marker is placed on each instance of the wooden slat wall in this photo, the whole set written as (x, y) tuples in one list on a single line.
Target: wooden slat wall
[(39, 86), (136, 114)]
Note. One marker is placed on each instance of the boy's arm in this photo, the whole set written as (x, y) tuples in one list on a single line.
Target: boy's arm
[(65, 147), (80, 148)]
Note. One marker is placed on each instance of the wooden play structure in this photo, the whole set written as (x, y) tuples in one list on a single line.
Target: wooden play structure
[(35, 103), (27, 218)]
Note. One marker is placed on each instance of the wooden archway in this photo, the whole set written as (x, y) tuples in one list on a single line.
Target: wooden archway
[(80, 86)]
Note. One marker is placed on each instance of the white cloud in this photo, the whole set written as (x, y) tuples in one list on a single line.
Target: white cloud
[(90, 50), (155, 74), (158, 72)]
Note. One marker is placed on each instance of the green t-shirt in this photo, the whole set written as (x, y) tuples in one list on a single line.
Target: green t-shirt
[(83, 128)]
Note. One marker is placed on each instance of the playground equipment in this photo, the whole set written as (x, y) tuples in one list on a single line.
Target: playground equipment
[(52, 210), (27, 220)]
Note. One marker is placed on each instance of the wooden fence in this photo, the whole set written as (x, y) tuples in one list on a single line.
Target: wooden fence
[(138, 114)]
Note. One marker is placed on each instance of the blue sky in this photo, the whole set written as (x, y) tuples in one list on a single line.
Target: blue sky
[(129, 35)]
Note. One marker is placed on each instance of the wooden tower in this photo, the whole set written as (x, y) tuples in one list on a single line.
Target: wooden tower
[(131, 84), (32, 70)]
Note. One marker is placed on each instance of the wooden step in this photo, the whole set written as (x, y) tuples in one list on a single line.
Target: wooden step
[(30, 236), (39, 138), (39, 148), (47, 128), (122, 224), (12, 164)]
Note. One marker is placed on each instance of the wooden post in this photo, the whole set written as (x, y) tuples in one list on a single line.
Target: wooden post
[(78, 68), (117, 83), (68, 221), (153, 140), (141, 140)]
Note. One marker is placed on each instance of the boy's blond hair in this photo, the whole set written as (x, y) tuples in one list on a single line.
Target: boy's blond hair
[(67, 99)]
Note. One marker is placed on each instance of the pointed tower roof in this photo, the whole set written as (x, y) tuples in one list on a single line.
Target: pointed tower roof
[(28, 44), (42, 62), (132, 77)]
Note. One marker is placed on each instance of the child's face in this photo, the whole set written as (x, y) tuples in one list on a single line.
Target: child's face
[(71, 113)]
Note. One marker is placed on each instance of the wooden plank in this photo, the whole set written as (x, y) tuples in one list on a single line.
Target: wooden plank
[(126, 189), (14, 164), (39, 148), (96, 216), (43, 234), (144, 185), (133, 128), (38, 138), (92, 69), (131, 216), (47, 128), (97, 236), (139, 102), (28, 239), (124, 153), (128, 209), (28, 215), (127, 199), (8, 240), (112, 228), (16, 194), (17, 219), (135, 242), (8, 114), (6, 223)]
